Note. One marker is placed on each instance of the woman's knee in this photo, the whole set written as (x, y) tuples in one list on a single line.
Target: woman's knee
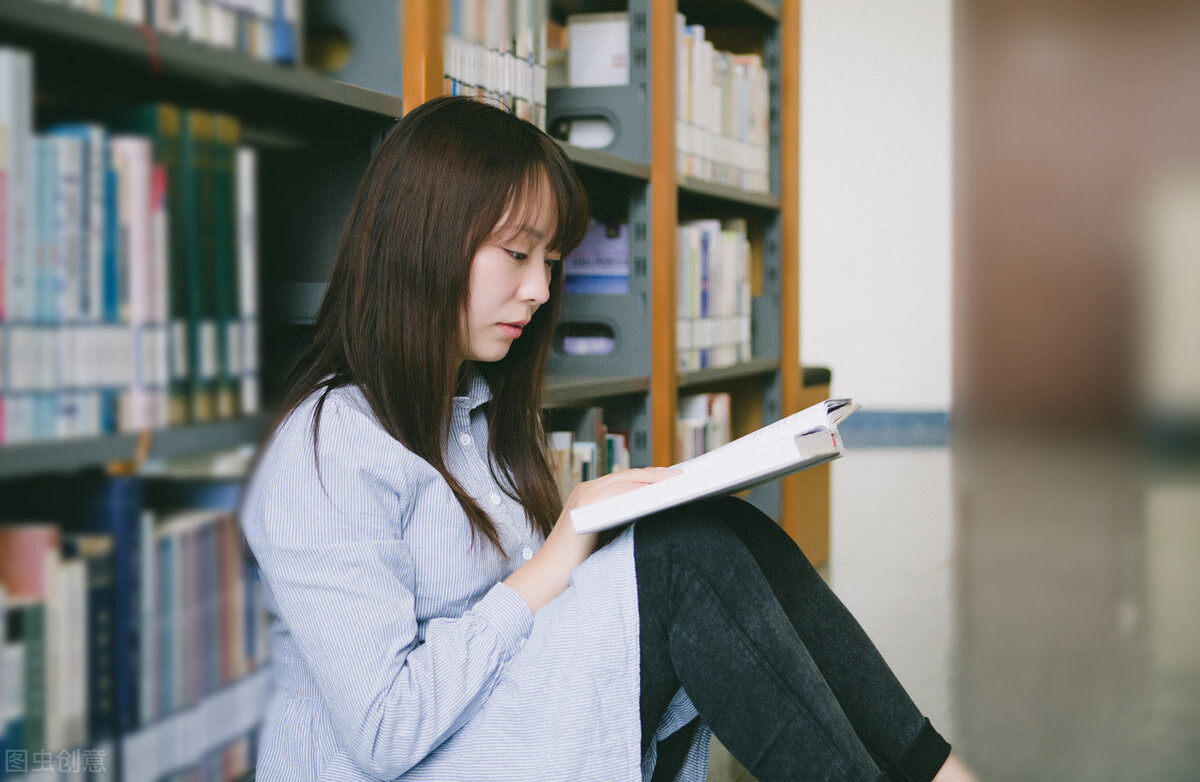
[(695, 528)]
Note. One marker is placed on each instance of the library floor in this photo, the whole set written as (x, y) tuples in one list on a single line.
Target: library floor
[(1040, 601)]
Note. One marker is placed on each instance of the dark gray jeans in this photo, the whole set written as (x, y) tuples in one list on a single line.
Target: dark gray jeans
[(732, 611)]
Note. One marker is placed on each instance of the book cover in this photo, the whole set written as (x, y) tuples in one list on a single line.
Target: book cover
[(804, 439)]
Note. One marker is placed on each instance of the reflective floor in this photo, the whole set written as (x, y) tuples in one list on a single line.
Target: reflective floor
[(1039, 599)]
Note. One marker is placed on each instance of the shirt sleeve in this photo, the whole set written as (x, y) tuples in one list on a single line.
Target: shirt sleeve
[(342, 584)]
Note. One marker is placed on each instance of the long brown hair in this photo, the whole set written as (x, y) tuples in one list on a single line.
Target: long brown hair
[(391, 321)]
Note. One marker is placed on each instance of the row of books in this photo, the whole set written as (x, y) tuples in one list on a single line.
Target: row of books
[(130, 610), (723, 110), (704, 423), (129, 268), (267, 30), (496, 51), (723, 105), (586, 451), (713, 307)]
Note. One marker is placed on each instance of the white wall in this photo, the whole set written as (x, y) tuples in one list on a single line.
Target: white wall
[(875, 184)]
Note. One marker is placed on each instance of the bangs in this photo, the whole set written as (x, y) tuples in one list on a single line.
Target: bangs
[(525, 201)]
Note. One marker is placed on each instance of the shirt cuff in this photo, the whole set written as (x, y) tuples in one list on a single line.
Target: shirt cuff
[(505, 612)]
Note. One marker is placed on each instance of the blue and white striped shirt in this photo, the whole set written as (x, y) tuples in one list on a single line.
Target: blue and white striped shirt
[(398, 651)]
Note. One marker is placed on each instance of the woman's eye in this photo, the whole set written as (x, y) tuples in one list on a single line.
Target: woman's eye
[(516, 255), (551, 261)]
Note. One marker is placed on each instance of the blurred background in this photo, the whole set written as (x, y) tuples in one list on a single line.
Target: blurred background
[(1001, 224)]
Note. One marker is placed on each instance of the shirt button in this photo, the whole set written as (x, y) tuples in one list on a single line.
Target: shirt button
[(495, 498), (527, 553), (464, 438)]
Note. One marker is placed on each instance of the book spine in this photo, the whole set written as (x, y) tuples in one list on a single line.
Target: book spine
[(34, 726), (247, 284), (224, 150)]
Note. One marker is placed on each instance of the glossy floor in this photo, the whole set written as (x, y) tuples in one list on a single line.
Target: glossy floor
[(1040, 599)]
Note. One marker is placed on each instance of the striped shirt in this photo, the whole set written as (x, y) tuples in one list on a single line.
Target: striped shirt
[(399, 652)]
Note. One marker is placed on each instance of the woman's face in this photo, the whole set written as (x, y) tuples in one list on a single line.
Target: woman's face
[(510, 278)]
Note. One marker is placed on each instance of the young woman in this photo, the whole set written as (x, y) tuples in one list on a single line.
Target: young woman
[(435, 616)]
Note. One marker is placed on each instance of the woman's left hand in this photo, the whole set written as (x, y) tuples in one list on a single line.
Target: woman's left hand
[(543, 577)]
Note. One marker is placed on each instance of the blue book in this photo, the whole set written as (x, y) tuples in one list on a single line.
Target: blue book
[(600, 264), (113, 505), (110, 292), (166, 635)]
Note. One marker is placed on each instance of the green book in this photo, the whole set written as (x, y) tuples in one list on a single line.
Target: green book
[(199, 246), (33, 620), (227, 133)]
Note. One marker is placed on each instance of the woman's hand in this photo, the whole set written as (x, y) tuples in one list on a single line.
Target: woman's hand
[(544, 577)]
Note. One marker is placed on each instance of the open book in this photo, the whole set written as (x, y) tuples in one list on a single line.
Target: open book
[(797, 442)]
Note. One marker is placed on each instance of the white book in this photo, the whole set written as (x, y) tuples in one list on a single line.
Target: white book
[(132, 159), (797, 442), (599, 49), (247, 284)]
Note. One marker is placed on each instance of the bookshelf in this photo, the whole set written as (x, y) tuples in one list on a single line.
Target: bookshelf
[(315, 135), (769, 385)]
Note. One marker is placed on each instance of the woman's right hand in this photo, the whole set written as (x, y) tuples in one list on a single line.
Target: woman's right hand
[(544, 577)]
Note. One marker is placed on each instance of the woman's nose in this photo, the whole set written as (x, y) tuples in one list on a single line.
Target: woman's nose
[(535, 287)]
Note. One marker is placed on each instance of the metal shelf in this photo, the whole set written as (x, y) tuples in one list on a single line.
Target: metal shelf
[(690, 187), (566, 391), (603, 161), (113, 57), (751, 368), (714, 12), (80, 453)]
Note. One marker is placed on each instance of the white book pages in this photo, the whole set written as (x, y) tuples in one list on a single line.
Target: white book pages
[(804, 439)]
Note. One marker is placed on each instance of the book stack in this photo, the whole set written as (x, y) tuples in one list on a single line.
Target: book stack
[(722, 112), (134, 637), (496, 51), (129, 268), (704, 424), (267, 30), (587, 451), (714, 304)]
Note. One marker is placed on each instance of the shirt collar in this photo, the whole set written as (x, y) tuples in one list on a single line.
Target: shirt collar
[(478, 392)]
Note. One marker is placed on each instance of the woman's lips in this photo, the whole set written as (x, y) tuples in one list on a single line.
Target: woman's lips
[(512, 330)]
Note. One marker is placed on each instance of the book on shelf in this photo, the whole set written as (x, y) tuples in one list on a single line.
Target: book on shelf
[(703, 424), (797, 442), (269, 30), (131, 616), (587, 450), (128, 274), (600, 264), (713, 305), (495, 50), (722, 112), (600, 57)]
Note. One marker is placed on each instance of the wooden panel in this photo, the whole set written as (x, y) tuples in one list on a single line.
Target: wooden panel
[(664, 220), (424, 65), (809, 516), (789, 277)]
